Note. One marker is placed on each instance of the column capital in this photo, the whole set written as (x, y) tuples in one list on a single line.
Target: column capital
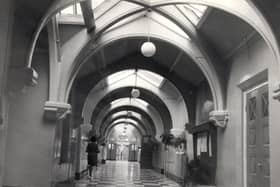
[(276, 92), (56, 110), (219, 117)]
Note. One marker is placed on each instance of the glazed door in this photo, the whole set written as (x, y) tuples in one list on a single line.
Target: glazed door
[(132, 152), (111, 151), (257, 113)]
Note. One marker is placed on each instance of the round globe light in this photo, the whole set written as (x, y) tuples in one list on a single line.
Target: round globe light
[(135, 93), (148, 49)]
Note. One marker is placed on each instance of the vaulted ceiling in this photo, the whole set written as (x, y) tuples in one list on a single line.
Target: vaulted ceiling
[(221, 32)]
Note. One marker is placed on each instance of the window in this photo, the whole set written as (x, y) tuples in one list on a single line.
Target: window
[(128, 101), (96, 3), (192, 12), (68, 11), (75, 9), (151, 77), (129, 76), (116, 77)]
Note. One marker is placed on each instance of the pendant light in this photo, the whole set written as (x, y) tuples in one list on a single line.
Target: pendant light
[(135, 93), (148, 48)]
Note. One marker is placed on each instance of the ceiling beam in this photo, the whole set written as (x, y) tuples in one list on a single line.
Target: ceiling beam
[(88, 15)]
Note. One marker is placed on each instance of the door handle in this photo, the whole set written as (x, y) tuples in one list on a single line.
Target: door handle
[(259, 165)]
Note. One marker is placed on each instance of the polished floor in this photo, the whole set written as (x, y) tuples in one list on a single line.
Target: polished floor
[(126, 174)]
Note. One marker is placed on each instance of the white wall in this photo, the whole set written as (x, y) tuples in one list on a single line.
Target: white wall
[(247, 62), (6, 21), (29, 148)]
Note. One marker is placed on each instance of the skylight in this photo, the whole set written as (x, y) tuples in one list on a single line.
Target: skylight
[(192, 12), (151, 77), (75, 9), (142, 102), (68, 11), (96, 3), (130, 75), (125, 120), (128, 101), (125, 113), (119, 76)]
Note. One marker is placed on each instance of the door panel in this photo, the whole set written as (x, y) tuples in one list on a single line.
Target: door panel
[(257, 112)]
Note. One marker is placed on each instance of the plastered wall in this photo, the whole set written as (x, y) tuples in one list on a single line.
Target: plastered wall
[(6, 21), (249, 60), (30, 139)]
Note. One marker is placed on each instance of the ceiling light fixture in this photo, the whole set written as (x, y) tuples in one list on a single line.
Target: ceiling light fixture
[(148, 48), (135, 92)]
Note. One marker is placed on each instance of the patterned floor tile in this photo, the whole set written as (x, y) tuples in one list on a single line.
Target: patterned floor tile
[(126, 174)]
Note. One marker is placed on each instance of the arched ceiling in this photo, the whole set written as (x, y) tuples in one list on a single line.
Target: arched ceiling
[(92, 73), (130, 110), (111, 126), (214, 45), (124, 133), (148, 125), (124, 119), (146, 95)]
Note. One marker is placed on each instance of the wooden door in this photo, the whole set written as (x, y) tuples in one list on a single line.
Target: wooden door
[(257, 109)]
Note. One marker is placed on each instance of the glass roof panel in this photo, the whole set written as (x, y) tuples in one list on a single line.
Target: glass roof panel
[(125, 120), (130, 75), (140, 101), (126, 113), (68, 11), (111, 79), (151, 77), (193, 12), (128, 101), (79, 9), (96, 3)]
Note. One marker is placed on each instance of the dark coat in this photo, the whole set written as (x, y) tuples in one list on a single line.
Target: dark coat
[(92, 150)]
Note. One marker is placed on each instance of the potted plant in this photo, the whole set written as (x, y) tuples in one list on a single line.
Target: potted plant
[(166, 138)]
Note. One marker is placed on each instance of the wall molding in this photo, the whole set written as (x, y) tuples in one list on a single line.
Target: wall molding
[(56, 110)]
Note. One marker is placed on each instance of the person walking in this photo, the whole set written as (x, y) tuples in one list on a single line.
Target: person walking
[(92, 155)]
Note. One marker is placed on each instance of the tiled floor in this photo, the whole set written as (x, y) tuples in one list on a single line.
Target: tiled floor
[(126, 174)]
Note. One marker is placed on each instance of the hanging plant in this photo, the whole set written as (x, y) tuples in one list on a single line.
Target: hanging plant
[(166, 138), (178, 141)]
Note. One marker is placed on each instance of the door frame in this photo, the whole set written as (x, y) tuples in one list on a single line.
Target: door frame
[(244, 129)]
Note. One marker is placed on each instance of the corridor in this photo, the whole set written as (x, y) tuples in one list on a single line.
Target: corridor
[(190, 88), (124, 174)]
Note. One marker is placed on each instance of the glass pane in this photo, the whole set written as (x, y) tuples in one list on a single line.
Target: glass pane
[(151, 77), (128, 101), (193, 12), (119, 76), (79, 9), (142, 102), (68, 11), (125, 120), (96, 3), (129, 76)]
